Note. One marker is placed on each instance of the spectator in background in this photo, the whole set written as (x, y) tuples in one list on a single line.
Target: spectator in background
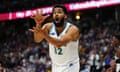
[(94, 61), (2, 69), (116, 58)]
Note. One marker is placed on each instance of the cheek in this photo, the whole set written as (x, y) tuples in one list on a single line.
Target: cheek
[(61, 15), (53, 16), (62, 18)]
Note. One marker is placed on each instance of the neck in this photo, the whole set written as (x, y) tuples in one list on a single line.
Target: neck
[(60, 29)]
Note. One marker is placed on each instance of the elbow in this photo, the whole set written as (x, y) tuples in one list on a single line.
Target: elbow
[(36, 41), (59, 45)]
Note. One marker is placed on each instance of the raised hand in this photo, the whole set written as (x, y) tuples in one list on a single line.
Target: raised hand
[(39, 18), (38, 34), (35, 29)]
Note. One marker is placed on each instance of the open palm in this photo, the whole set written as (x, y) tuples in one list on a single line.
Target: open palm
[(39, 18)]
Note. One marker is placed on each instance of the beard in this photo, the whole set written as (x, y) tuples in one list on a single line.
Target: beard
[(60, 24)]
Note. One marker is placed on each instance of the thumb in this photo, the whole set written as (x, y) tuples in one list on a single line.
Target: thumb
[(31, 30)]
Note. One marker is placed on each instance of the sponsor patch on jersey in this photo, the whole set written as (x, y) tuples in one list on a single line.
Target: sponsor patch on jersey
[(52, 33), (70, 65)]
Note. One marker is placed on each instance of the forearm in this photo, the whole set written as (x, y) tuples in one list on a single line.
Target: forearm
[(38, 37), (39, 19), (56, 42)]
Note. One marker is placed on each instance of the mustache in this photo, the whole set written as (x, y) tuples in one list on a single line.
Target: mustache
[(60, 24)]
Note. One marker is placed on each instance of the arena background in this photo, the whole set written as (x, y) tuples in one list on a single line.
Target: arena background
[(19, 53)]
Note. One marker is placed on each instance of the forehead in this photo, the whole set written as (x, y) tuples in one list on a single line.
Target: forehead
[(58, 9)]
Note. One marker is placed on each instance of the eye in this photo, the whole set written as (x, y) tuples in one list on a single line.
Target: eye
[(59, 12)]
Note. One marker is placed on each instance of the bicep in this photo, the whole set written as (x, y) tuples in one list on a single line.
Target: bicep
[(76, 34), (66, 38), (72, 34)]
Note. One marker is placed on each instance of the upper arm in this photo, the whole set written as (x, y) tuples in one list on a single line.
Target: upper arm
[(72, 34)]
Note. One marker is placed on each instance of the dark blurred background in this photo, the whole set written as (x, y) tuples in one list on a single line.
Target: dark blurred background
[(19, 53), (15, 5)]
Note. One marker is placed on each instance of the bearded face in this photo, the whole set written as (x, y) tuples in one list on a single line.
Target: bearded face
[(59, 23), (59, 17), (115, 42)]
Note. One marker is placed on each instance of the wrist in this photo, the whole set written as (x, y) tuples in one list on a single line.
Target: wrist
[(38, 25), (45, 34)]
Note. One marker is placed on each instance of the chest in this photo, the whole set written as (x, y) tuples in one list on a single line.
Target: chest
[(58, 33)]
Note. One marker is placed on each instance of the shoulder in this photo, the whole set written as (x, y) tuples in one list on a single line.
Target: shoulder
[(73, 31), (73, 28)]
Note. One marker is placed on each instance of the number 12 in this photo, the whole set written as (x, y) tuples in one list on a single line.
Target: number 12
[(58, 51)]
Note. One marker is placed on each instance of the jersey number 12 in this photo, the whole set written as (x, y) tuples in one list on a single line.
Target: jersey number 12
[(58, 51)]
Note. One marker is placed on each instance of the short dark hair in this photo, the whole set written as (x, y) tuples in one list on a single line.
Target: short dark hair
[(60, 6)]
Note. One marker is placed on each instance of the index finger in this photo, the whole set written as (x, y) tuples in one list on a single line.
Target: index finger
[(38, 13)]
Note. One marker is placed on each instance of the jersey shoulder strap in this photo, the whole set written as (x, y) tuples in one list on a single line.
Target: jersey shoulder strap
[(66, 28)]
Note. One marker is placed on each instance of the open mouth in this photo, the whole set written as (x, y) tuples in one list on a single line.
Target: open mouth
[(57, 19)]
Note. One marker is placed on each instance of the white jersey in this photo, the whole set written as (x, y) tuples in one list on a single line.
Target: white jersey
[(64, 54)]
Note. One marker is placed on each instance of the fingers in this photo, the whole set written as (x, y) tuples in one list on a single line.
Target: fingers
[(31, 30), (38, 14), (39, 18), (46, 16), (32, 17), (35, 29)]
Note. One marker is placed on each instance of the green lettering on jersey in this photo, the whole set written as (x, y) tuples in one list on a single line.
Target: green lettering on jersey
[(58, 51)]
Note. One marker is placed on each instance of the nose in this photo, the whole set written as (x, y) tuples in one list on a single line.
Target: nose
[(56, 13)]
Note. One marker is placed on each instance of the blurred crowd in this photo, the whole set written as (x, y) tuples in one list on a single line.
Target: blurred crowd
[(95, 45), (17, 5), (19, 52)]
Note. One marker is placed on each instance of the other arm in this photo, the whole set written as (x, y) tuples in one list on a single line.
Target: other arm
[(39, 19), (72, 34), (38, 36)]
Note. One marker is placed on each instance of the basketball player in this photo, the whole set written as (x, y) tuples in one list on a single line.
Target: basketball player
[(2, 69), (62, 37), (116, 59)]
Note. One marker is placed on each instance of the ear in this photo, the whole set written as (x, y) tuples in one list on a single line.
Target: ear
[(66, 16)]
